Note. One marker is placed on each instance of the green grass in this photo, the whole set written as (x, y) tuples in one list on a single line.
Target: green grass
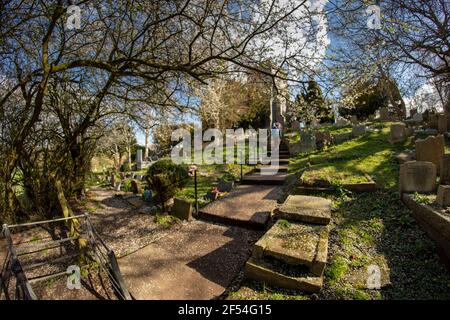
[(376, 228), (350, 161), (166, 221), (294, 137)]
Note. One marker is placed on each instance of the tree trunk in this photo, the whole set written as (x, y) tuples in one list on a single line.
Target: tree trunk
[(147, 132)]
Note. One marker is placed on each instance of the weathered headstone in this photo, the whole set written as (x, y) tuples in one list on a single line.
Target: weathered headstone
[(354, 119), (430, 149), (135, 187), (417, 118), (443, 195), (442, 123), (182, 209), (433, 121), (417, 176), (342, 122), (445, 169), (139, 159), (398, 132), (358, 130), (384, 114)]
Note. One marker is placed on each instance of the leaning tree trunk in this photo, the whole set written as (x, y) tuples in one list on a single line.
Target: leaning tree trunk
[(73, 224)]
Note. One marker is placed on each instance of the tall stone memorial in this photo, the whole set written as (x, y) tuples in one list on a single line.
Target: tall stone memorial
[(430, 149), (139, 159), (442, 123)]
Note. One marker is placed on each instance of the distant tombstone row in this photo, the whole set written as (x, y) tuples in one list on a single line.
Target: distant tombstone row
[(358, 130)]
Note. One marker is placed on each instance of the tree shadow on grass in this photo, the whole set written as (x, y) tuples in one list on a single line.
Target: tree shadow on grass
[(369, 226)]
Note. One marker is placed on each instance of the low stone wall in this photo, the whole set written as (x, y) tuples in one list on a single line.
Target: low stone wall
[(322, 186), (434, 223)]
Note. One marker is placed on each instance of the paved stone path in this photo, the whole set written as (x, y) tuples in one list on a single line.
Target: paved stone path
[(247, 205), (251, 203), (201, 259), (197, 261)]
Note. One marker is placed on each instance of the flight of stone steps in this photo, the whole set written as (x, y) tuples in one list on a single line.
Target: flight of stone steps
[(258, 176), (293, 252)]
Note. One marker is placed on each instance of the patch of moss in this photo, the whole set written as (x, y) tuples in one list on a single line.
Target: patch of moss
[(166, 221), (337, 269), (284, 224)]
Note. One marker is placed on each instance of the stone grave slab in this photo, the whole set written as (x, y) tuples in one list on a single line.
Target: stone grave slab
[(264, 271), (305, 209), (417, 176), (182, 209), (295, 244)]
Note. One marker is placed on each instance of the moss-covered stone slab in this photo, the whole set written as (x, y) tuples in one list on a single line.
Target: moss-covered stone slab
[(264, 271), (296, 245), (305, 209)]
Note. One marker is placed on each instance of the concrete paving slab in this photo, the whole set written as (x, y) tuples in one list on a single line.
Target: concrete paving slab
[(307, 209)]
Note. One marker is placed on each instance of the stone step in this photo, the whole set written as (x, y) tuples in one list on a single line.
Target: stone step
[(307, 209), (295, 244), (281, 168), (256, 178), (264, 271), (246, 206)]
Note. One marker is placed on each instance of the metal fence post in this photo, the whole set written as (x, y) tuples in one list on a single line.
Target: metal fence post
[(196, 193)]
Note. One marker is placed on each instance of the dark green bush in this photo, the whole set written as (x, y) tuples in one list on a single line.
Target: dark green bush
[(166, 178)]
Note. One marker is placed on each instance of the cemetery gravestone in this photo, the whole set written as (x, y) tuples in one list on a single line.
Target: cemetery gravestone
[(342, 122), (354, 119), (358, 130), (417, 176), (182, 209), (445, 169), (443, 196), (442, 123), (433, 121), (398, 132), (417, 118), (430, 149), (139, 159)]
